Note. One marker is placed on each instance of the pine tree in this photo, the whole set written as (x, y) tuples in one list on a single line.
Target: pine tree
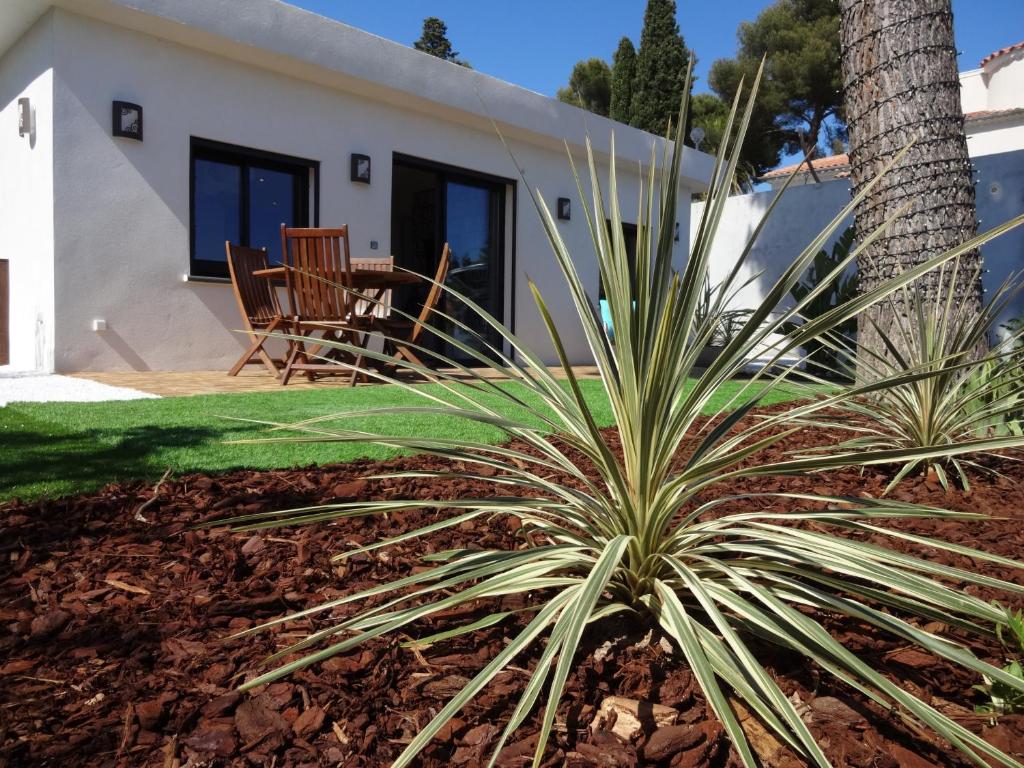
[(800, 98), (660, 69), (590, 86), (623, 76), (434, 40)]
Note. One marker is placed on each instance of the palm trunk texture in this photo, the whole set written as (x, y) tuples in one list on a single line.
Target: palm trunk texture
[(901, 83)]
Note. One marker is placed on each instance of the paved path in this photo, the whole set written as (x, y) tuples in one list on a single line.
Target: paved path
[(177, 383)]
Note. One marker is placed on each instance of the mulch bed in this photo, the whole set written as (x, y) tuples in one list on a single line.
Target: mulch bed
[(113, 650)]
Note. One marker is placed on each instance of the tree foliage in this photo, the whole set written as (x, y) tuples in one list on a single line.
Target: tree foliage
[(623, 75), (660, 68), (590, 86), (434, 40), (801, 92)]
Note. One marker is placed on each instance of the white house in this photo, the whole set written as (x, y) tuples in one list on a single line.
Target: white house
[(240, 115)]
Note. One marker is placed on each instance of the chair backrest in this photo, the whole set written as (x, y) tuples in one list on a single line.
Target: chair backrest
[(377, 263), (434, 295), (256, 296), (381, 307), (320, 263)]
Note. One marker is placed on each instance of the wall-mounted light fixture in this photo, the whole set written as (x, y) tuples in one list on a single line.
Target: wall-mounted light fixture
[(126, 120), (564, 209), (25, 127), (361, 169)]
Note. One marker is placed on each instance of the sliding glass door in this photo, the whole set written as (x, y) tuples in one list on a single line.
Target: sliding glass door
[(433, 205)]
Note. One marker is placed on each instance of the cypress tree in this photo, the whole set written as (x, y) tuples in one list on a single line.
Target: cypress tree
[(623, 75), (660, 69), (434, 40)]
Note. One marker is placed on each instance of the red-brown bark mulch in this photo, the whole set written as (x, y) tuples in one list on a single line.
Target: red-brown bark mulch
[(113, 650)]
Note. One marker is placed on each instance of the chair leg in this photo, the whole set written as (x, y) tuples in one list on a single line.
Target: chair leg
[(242, 361), (293, 356), (357, 365), (256, 350), (267, 360), (408, 354), (287, 372)]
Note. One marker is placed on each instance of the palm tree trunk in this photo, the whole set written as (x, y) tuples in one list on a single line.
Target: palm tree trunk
[(901, 83)]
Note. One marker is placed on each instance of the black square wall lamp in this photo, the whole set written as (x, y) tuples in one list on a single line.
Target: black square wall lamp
[(127, 120), (361, 168), (564, 209)]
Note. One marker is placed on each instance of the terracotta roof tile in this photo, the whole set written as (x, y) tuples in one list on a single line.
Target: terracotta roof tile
[(821, 164), (984, 114), (836, 162), (1001, 52)]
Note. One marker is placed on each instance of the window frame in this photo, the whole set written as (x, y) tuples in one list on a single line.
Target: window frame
[(307, 173)]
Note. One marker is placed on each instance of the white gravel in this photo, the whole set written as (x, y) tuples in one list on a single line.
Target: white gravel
[(51, 388)]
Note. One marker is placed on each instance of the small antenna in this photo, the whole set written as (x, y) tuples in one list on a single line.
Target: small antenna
[(697, 135)]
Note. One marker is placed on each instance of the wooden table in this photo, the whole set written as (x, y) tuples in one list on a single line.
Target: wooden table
[(373, 283), (362, 279)]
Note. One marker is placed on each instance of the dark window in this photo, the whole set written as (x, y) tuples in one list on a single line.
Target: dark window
[(244, 196), (629, 233)]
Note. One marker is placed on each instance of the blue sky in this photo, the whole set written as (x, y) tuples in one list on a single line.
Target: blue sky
[(534, 43)]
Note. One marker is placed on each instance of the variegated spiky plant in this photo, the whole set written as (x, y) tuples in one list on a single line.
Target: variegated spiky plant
[(615, 538), (971, 393)]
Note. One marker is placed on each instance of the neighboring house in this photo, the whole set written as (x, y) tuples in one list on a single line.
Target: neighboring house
[(252, 114), (992, 97)]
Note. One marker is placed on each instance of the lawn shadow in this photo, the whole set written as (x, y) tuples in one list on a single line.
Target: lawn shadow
[(87, 460)]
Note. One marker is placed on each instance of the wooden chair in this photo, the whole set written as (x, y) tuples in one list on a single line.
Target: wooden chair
[(382, 306), (258, 303), (319, 283), (405, 332)]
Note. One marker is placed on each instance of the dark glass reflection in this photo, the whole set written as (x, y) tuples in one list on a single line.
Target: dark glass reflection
[(469, 230), (216, 213), (429, 207), (271, 203)]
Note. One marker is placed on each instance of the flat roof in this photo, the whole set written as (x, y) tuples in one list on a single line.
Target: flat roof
[(274, 35)]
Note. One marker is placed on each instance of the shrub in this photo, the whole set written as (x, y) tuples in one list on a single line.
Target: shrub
[(634, 533), (969, 393), (1006, 699), (840, 285)]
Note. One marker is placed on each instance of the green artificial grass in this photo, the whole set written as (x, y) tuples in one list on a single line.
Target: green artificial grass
[(55, 449)]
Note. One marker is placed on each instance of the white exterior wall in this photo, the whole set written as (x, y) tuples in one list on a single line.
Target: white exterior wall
[(801, 214), (26, 197), (992, 137), (122, 207), (1005, 76), (973, 95)]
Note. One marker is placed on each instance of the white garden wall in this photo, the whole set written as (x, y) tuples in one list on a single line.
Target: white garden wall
[(805, 210), (26, 197)]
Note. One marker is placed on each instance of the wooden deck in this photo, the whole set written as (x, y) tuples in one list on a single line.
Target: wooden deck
[(182, 383)]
